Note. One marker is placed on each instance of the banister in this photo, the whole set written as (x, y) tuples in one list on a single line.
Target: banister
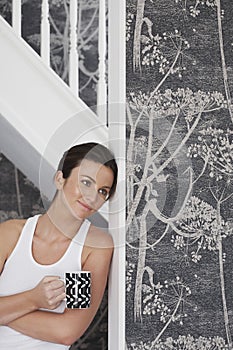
[(73, 77), (45, 33), (16, 16), (73, 56), (102, 49)]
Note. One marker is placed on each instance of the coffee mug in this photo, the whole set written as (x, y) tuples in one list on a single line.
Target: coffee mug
[(78, 289)]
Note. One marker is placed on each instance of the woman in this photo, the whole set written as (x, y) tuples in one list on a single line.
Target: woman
[(34, 254)]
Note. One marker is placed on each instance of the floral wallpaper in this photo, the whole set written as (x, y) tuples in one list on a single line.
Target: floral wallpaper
[(179, 175), (179, 166)]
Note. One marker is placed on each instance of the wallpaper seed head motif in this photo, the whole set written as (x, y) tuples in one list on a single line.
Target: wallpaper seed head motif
[(180, 173)]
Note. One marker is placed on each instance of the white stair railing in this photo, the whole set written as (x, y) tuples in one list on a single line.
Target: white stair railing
[(102, 48), (102, 89), (16, 16), (45, 33), (73, 57)]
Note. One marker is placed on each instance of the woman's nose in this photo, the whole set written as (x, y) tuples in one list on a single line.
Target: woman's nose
[(92, 197)]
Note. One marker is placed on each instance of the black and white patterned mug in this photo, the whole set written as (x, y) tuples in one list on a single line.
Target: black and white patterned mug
[(78, 289)]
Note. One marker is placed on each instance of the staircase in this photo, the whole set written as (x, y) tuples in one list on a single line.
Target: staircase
[(40, 116)]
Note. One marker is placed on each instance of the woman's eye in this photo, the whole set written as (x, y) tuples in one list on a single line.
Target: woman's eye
[(104, 193), (86, 182)]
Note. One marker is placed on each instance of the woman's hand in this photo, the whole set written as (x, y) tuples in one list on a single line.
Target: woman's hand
[(65, 328), (48, 293)]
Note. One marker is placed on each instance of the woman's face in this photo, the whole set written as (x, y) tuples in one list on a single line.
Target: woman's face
[(87, 188)]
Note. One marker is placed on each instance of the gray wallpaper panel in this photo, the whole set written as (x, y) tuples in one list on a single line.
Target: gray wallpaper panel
[(180, 175)]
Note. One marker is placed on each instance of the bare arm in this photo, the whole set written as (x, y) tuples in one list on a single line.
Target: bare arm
[(67, 327), (47, 294)]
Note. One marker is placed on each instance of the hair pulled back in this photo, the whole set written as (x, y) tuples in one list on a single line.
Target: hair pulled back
[(90, 151)]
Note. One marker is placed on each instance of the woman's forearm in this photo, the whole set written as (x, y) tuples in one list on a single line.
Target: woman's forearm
[(47, 294), (67, 327), (54, 327), (15, 306), (40, 325)]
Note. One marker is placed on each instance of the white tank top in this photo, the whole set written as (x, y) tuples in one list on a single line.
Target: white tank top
[(21, 272)]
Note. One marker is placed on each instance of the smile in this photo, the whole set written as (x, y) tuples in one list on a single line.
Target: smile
[(84, 205)]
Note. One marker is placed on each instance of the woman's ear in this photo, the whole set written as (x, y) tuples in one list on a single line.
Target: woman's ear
[(59, 180)]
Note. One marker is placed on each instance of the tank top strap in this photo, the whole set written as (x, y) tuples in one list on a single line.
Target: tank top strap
[(81, 235), (23, 245), (28, 230)]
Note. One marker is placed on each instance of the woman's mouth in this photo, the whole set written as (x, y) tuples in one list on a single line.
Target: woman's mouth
[(85, 206)]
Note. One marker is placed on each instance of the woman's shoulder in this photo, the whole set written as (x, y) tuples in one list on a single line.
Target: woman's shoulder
[(10, 230), (14, 224), (98, 238), (98, 249)]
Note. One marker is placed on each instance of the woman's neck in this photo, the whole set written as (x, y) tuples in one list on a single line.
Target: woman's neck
[(63, 220)]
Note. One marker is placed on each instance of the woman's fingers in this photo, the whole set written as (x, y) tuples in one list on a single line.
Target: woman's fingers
[(59, 298), (49, 292), (56, 284), (58, 291)]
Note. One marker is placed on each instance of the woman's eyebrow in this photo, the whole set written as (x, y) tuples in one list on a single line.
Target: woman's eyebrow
[(90, 178)]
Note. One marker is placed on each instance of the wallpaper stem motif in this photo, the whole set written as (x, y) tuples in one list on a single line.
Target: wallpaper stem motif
[(137, 35), (18, 195), (224, 67), (179, 175)]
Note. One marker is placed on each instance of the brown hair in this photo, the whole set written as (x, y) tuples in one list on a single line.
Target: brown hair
[(90, 151)]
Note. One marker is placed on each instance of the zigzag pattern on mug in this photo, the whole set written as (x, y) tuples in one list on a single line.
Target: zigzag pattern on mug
[(78, 290)]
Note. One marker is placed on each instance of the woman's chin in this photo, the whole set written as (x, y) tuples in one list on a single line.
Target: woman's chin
[(79, 216), (82, 214)]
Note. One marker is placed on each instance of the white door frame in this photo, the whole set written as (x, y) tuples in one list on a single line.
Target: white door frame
[(117, 142)]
